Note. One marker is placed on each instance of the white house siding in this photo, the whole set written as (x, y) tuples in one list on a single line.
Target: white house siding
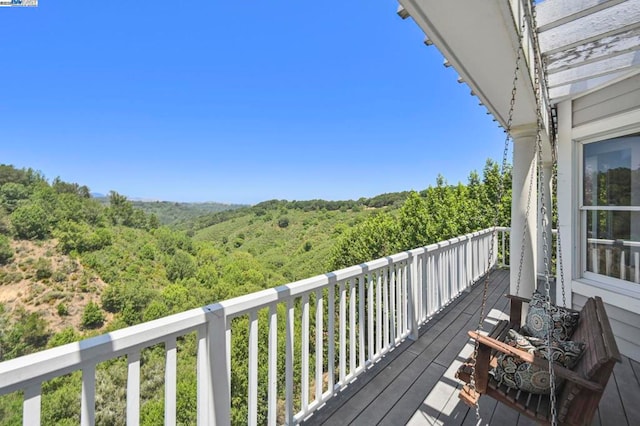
[(609, 112), (618, 98)]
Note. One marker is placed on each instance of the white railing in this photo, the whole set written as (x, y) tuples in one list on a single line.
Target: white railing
[(359, 314), (615, 254)]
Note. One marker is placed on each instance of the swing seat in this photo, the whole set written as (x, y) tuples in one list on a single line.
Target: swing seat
[(579, 395)]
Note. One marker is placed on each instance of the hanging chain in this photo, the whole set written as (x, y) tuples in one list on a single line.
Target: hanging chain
[(496, 221), (538, 69), (559, 264)]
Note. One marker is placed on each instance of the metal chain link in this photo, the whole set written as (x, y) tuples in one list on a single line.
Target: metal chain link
[(543, 208), (501, 190)]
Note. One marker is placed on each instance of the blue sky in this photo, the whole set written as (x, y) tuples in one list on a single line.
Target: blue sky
[(234, 101)]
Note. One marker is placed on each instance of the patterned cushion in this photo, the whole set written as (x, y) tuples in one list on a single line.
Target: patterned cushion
[(518, 374), (564, 321)]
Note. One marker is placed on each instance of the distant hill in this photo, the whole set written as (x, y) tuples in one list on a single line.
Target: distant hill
[(169, 212), (293, 238)]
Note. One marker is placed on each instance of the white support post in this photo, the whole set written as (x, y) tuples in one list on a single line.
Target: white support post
[(524, 195), (568, 229)]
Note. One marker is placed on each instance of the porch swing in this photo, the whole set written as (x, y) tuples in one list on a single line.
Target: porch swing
[(555, 393)]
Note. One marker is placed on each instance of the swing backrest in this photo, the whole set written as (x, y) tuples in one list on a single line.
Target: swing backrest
[(575, 404)]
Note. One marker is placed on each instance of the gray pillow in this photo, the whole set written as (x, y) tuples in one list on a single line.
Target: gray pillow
[(564, 322)]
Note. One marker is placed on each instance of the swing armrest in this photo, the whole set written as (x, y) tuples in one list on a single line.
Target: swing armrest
[(490, 343)]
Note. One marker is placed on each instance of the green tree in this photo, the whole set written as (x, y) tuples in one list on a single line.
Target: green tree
[(181, 266), (415, 224), (12, 194), (377, 236), (31, 222)]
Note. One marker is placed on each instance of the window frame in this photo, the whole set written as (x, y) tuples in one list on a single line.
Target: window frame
[(582, 211)]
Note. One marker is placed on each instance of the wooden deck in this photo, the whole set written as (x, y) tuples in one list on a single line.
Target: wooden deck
[(415, 383)]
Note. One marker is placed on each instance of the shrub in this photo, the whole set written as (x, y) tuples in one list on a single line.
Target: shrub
[(6, 252), (62, 309), (43, 269), (92, 317), (283, 222)]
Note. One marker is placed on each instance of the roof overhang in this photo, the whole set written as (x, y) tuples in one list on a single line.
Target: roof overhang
[(480, 40), (587, 45)]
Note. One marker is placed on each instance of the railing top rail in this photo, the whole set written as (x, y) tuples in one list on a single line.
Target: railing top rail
[(61, 360), (605, 241), (17, 373)]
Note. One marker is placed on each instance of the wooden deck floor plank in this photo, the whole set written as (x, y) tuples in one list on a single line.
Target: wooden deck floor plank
[(431, 399), (347, 405), (447, 349), (610, 406), (629, 390), (404, 409), (486, 407), (414, 384), (385, 400), (504, 415), (443, 319), (524, 420)]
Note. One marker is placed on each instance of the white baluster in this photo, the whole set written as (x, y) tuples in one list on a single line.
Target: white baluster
[(170, 375), (352, 327), (387, 317), (304, 354), (331, 352), (205, 379), (319, 344), (252, 396), (371, 343), (361, 321), (88, 398), (133, 389), (32, 405), (273, 366), (342, 331), (290, 333), (379, 306)]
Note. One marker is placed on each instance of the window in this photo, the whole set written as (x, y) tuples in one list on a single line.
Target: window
[(610, 209)]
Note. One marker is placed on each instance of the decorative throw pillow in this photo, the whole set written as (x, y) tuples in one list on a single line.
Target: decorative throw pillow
[(564, 322), (518, 374)]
